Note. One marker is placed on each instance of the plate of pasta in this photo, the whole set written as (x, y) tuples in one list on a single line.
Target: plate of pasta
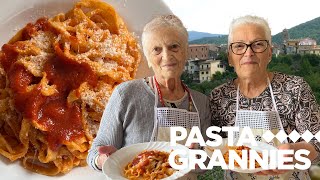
[(144, 161), (59, 63)]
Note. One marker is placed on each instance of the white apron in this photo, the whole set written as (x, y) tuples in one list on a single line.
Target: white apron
[(166, 117), (260, 122)]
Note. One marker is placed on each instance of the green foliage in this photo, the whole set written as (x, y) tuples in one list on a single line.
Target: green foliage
[(281, 67), (187, 78), (313, 80), (204, 87), (207, 86), (306, 66), (215, 174), (308, 29)]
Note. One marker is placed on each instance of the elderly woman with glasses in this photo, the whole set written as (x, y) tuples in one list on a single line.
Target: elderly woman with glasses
[(143, 110), (267, 102)]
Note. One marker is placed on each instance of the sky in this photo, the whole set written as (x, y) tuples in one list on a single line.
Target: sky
[(214, 16)]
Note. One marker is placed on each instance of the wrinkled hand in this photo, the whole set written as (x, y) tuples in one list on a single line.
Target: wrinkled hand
[(104, 153), (274, 172)]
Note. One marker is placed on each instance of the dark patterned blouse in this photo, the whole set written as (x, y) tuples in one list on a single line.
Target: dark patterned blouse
[(295, 102)]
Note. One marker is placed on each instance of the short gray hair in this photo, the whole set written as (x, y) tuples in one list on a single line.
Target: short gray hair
[(249, 19), (160, 22)]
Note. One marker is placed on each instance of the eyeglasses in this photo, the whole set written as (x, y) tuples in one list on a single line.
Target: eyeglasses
[(240, 48)]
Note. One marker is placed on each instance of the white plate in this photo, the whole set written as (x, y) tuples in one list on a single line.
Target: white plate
[(15, 14), (114, 165), (224, 148)]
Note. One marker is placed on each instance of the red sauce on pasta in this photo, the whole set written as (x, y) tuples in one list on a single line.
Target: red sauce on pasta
[(141, 155), (61, 121), (31, 29)]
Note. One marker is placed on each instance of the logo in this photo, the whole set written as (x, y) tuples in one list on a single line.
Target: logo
[(284, 159)]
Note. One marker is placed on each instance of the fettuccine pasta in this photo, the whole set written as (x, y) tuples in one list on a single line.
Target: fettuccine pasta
[(56, 78)]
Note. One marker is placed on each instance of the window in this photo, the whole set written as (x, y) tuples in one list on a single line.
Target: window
[(202, 72), (207, 72), (202, 78), (191, 67), (207, 78), (202, 49), (220, 66)]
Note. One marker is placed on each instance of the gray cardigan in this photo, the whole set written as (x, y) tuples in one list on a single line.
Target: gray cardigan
[(129, 117)]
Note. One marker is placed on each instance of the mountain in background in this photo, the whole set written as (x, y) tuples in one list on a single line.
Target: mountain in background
[(193, 35), (222, 39), (309, 29)]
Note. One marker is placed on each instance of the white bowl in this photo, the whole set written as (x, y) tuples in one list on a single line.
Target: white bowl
[(114, 166)]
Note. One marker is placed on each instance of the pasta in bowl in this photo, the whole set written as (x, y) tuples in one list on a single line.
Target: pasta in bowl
[(58, 74), (144, 161)]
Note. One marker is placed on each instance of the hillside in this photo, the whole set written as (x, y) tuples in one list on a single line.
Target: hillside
[(308, 29), (222, 39), (193, 35)]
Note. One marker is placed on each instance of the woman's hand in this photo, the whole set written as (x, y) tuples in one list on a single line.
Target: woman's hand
[(273, 172), (295, 147), (104, 153)]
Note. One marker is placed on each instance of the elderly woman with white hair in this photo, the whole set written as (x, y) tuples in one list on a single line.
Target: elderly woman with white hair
[(142, 110), (264, 100)]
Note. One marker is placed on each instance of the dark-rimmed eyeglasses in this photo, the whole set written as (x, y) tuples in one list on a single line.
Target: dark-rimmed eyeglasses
[(258, 46)]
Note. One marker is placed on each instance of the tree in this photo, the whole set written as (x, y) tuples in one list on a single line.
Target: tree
[(313, 59), (313, 80), (281, 67), (223, 56), (187, 78), (305, 68), (216, 173)]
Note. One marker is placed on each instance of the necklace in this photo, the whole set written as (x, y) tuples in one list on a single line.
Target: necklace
[(161, 97)]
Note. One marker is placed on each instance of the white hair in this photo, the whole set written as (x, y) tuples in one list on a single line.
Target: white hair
[(249, 19), (159, 23)]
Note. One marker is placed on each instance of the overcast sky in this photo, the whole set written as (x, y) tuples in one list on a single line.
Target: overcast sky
[(214, 16)]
